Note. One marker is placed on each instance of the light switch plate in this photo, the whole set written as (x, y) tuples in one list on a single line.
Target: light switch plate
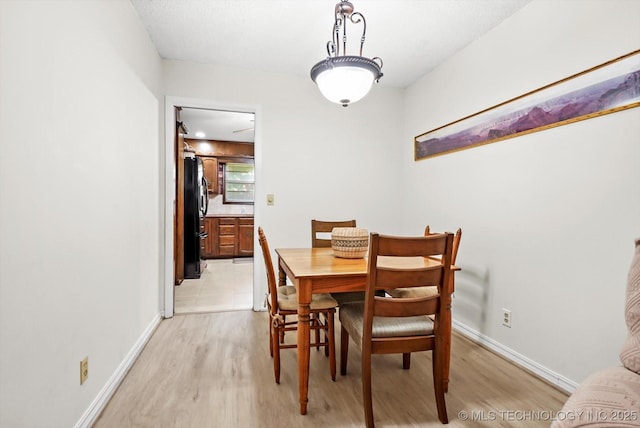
[(84, 370)]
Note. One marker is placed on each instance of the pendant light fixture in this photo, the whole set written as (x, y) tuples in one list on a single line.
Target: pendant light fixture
[(342, 78)]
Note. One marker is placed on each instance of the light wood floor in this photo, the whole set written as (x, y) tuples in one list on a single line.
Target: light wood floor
[(214, 370), (225, 285)]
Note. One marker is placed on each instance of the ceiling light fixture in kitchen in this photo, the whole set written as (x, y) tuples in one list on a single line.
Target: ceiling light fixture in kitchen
[(342, 78)]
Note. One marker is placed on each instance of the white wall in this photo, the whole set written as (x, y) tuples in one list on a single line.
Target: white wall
[(319, 159), (79, 211), (549, 219)]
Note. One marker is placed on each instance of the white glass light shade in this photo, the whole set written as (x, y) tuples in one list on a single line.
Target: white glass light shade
[(345, 85), (345, 80)]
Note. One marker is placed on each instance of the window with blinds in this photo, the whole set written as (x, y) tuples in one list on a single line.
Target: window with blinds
[(239, 183)]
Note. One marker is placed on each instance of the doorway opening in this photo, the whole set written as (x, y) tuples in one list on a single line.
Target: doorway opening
[(218, 138)]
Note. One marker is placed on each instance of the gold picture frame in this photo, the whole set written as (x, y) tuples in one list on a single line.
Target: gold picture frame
[(604, 89)]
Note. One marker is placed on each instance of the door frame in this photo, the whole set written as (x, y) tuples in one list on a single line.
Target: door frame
[(169, 183)]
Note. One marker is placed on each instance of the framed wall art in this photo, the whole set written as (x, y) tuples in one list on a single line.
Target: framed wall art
[(604, 89)]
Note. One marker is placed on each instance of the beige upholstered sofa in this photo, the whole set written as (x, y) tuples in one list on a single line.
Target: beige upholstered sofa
[(611, 397)]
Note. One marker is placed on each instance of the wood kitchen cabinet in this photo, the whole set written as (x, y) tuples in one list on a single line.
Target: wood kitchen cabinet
[(228, 237), (245, 237), (210, 166)]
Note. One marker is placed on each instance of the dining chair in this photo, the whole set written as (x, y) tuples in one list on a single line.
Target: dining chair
[(319, 229), (429, 291), (282, 302), (388, 325)]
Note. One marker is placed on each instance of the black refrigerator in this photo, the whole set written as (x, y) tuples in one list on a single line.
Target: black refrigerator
[(196, 202)]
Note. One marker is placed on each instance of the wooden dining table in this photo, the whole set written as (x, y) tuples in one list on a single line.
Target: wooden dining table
[(317, 270)]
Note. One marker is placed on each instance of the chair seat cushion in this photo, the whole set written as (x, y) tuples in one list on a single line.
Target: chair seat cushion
[(605, 399), (352, 319), (414, 292), (288, 301)]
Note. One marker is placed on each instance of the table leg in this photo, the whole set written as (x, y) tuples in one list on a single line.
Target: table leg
[(447, 342), (282, 276), (447, 355), (303, 292)]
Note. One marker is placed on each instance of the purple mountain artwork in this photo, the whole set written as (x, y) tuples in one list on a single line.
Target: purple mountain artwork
[(570, 107)]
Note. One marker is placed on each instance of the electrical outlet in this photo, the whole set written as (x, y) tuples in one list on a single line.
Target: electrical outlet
[(84, 370), (506, 317)]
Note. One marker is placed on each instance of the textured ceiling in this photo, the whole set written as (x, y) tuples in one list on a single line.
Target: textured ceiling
[(411, 36)]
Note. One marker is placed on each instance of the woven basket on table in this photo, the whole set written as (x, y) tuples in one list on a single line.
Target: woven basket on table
[(350, 242)]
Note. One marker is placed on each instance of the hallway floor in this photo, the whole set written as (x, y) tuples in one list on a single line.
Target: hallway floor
[(225, 285)]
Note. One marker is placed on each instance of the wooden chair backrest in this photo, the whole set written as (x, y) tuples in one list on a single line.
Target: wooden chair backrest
[(319, 226), (456, 242), (413, 273), (271, 276)]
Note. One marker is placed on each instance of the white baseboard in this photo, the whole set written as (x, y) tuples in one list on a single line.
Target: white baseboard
[(93, 411), (550, 376)]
